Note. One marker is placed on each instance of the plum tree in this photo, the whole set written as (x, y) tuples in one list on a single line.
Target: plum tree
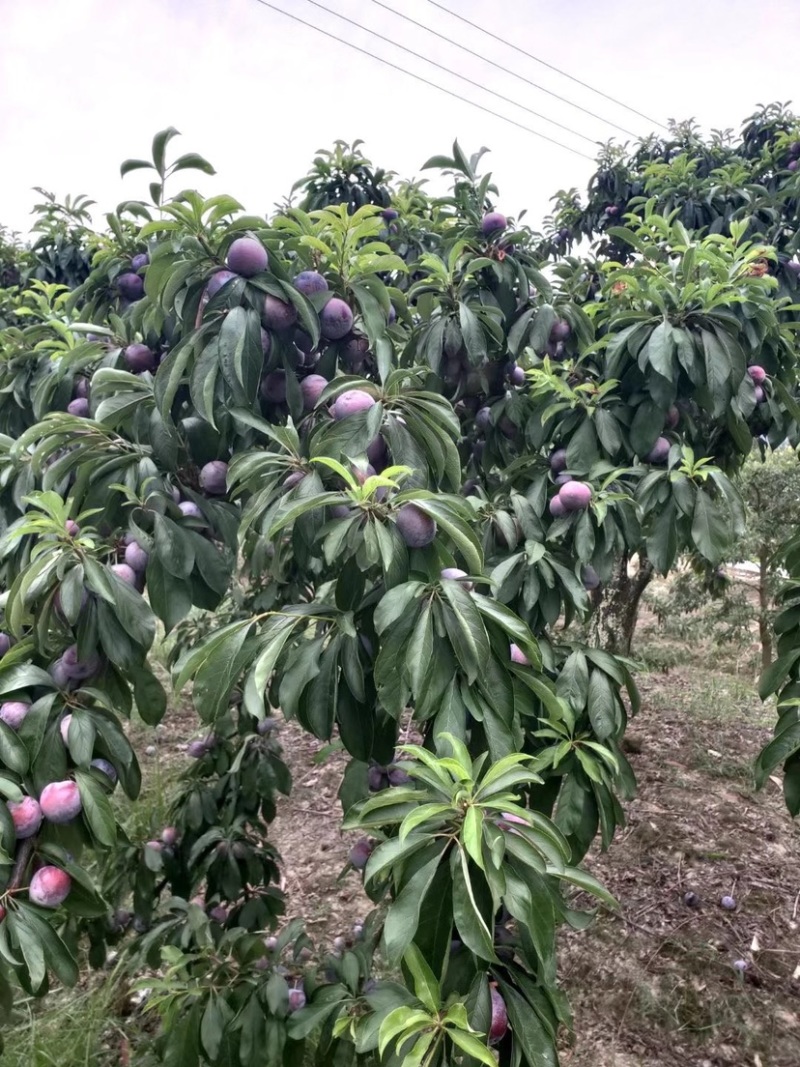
[(349, 610)]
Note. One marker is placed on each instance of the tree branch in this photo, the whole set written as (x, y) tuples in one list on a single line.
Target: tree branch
[(21, 864)]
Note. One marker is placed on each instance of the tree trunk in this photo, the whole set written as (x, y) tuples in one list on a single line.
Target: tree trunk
[(616, 607), (764, 628)]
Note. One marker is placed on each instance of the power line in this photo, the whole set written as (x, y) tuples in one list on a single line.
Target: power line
[(425, 81), (447, 70), (498, 66), (550, 66)]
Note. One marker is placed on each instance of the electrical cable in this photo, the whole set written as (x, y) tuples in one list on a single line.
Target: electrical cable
[(425, 81), (550, 66), (447, 70), (498, 66)]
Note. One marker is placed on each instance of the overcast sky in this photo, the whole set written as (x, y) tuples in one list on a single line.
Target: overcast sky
[(85, 84)]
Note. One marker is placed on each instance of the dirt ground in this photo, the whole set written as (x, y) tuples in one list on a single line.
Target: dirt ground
[(654, 985)]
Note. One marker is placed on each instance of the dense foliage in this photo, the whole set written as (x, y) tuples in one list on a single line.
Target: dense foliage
[(388, 451)]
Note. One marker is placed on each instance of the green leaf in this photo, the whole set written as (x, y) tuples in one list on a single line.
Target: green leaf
[(174, 549), (466, 630), (602, 705), (425, 986), (470, 924), (402, 917), (710, 529), (781, 748), (472, 332), (97, 809), (472, 1046)]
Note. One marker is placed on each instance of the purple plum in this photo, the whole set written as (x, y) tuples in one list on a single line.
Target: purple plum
[(131, 286), (247, 257), (26, 816), (80, 389), (139, 358), (757, 374), (455, 574), (560, 330), (335, 319), (14, 712), (360, 853), (659, 453), (310, 281), (5, 643), (352, 402), (278, 314), (106, 768), (214, 478), (79, 406), (216, 282), (499, 1020), (575, 496), (493, 222), (518, 656), (49, 887), (416, 527), (136, 557), (590, 578), (125, 573), (558, 460), (311, 389), (556, 507), (60, 801), (273, 387), (190, 510), (140, 260)]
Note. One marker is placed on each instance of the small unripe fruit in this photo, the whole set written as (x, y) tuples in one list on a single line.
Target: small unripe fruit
[(360, 853), (560, 331), (454, 574), (493, 222), (60, 674), (26, 815), (131, 286), (50, 886), (590, 578), (297, 1000), (247, 257), (79, 407), (106, 768), (483, 418), (416, 528), (79, 669), (518, 656), (397, 776), (558, 460), (335, 319), (214, 478), (13, 712), (60, 801), (377, 779), (136, 557), (556, 508), (311, 389), (310, 281), (728, 903), (140, 260), (659, 453), (757, 374), (499, 1022), (352, 402), (278, 314), (139, 358), (125, 573), (216, 282)]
